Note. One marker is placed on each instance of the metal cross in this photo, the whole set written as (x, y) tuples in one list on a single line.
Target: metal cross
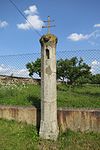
[(48, 26)]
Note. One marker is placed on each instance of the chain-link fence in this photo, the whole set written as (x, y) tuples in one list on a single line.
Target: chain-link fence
[(90, 57), (16, 64), (18, 88)]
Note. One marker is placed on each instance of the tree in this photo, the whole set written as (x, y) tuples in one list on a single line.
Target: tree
[(95, 79), (83, 80), (34, 67), (78, 69), (73, 70), (61, 69)]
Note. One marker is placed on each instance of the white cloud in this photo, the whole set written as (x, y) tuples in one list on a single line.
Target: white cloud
[(35, 22), (3, 24), (95, 67), (97, 25), (4, 69), (8, 70), (32, 10), (95, 62), (33, 19), (24, 26), (80, 37), (20, 72), (77, 37)]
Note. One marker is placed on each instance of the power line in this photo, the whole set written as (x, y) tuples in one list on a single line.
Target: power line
[(24, 17)]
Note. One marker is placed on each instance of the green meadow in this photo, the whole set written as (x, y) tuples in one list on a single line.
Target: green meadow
[(87, 96), (19, 136)]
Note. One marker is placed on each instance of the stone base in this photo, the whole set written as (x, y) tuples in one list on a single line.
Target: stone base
[(49, 131)]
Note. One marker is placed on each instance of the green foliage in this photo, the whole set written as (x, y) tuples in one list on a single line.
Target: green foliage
[(17, 136), (26, 95), (79, 141), (83, 80), (95, 79), (62, 66), (73, 70), (87, 96), (34, 67), (20, 136)]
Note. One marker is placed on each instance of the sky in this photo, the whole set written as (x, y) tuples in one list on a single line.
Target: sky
[(77, 29)]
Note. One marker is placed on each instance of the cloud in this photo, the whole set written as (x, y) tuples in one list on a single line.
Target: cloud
[(77, 37), (95, 67), (4, 69), (95, 62), (97, 25), (80, 37), (32, 10), (3, 24), (33, 19), (8, 70), (20, 72)]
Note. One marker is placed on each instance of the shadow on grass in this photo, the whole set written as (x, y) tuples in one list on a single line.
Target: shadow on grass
[(36, 103)]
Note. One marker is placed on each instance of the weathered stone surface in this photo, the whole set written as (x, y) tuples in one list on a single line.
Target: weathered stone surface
[(79, 119), (20, 114), (48, 70), (48, 40), (48, 125), (8, 80), (74, 119)]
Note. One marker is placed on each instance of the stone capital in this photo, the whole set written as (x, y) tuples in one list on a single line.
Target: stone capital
[(48, 40)]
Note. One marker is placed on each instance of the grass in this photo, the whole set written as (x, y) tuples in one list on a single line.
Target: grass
[(87, 96), (19, 136), (23, 95)]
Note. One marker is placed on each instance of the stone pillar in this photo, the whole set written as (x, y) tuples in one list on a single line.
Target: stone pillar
[(48, 124)]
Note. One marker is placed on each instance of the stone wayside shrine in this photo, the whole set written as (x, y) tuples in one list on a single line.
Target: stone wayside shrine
[(48, 124)]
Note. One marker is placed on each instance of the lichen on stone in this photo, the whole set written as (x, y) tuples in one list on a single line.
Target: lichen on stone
[(48, 39)]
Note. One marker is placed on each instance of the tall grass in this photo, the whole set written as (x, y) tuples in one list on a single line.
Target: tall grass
[(87, 96), (20, 95), (19, 136)]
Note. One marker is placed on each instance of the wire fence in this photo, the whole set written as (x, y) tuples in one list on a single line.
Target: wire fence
[(13, 70), (90, 57), (16, 64)]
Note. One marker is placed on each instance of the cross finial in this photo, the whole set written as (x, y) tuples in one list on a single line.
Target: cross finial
[(48, 26)]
